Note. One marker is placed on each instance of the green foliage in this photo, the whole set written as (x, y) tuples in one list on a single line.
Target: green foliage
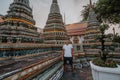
[(110, 36), (103, 27), (108, 10), (98, 62), (116, 38), (109, 63), (96, 55), (85, 13)]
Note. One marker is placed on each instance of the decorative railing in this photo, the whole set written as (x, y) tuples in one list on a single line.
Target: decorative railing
[(28, 71), (53, 73), (22, 49)]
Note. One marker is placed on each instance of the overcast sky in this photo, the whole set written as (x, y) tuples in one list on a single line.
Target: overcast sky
[(71, 8)]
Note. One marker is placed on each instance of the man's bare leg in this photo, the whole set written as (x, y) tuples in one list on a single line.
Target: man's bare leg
[(72, 67), (64, 67)]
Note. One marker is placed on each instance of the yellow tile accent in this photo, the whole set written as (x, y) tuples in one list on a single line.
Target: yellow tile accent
[(15, 19)]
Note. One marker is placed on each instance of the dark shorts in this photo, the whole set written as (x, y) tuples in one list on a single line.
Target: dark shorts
[(68, 59)]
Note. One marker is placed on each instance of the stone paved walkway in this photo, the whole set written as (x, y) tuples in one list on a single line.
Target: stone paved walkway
[(82, 74)]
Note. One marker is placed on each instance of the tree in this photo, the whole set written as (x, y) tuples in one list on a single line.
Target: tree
[(108, 11), (116, 38), (85, 13), (102, 37)]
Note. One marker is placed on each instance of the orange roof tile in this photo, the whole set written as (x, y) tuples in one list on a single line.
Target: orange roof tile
[(76, 28)]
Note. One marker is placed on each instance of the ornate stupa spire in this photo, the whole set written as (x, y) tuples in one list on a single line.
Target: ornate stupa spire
[(90, 2), (54, 7), (54, 1), (92, 16), (90, 44), (19, 25), (54, 31)]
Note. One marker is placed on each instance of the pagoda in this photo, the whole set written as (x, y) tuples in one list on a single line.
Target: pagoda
[(19, 25), (54, 31), (18, 33), (91, 45)]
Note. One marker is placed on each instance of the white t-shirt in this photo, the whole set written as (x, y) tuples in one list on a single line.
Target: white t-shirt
[(67, 50)]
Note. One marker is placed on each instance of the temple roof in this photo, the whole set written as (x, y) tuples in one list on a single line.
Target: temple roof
[(76, 28)]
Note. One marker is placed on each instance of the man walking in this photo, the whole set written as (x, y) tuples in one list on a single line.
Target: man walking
[(67, 54)]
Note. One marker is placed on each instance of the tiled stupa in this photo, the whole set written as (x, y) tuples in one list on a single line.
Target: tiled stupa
[(54, 31), (91, 44), (19, 25), (18, 33)]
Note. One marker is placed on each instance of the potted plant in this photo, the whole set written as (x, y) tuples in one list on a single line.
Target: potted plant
[(102, 67)]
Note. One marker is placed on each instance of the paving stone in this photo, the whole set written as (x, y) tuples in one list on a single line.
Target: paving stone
[(83, 74)]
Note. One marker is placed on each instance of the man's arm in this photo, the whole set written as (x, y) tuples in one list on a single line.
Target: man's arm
[(62, 54), (72, 52)]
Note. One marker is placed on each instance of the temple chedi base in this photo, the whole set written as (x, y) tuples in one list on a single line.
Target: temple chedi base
[(19, 25), (91, 45), (54, 31)]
